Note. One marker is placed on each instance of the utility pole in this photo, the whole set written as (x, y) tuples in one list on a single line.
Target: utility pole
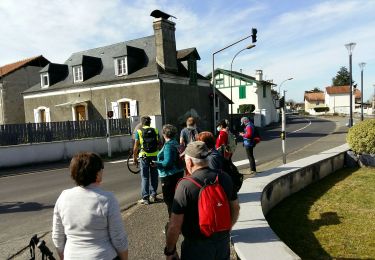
[(283, 126), (108, 132)]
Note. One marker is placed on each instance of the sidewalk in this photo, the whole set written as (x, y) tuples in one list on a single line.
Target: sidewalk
[(145, 224)]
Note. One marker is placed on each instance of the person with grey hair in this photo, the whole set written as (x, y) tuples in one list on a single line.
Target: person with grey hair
[(185, 218), (249, 142), (169, 169)]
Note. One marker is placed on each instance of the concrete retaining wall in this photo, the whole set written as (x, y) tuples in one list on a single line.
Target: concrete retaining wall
[(252, 237), (11, 156)]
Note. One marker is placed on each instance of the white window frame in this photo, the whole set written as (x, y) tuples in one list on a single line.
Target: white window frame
[(79, 75), (74, 110), (37, 114), (42, 77), (124, 66), (133, 106)]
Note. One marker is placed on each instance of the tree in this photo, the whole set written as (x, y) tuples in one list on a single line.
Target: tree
[(316, 90), (342, 78)]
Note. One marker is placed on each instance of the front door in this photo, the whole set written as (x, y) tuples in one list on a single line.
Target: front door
[(80, 113)]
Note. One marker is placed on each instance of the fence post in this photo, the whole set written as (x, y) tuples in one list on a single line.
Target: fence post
[(29, 133), (68, 130)]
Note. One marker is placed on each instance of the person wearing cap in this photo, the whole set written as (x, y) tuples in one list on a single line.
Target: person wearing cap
[(184, 218), (146, 147), (249, 142), (215, 159)]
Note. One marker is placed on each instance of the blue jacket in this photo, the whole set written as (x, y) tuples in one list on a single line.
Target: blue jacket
[(167, 159)]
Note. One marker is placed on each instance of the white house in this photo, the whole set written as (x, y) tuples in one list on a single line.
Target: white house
[(338, 100), (244, 89)]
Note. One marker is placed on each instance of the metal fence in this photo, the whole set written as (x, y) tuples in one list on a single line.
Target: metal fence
[(14, 134)]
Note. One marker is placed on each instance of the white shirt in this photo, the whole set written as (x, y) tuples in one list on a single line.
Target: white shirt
[(87, 224)]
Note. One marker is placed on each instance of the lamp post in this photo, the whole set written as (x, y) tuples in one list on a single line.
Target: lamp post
[(282, 84), (230, 82), (283, 124), (213, 76), (361, 66), (350, 48)]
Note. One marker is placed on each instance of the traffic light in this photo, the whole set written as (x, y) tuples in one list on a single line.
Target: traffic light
[(282, 102), (254, 35)]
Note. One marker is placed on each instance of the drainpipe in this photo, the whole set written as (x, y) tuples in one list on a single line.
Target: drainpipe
[(162, 99), (2, 101)]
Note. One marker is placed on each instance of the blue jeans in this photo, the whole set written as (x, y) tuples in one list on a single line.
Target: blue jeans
[(149, 176)]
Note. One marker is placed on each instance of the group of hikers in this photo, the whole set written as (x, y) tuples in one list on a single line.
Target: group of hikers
[(199, 185)]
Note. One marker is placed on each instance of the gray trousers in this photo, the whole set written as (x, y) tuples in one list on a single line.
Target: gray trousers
[(216, 247)]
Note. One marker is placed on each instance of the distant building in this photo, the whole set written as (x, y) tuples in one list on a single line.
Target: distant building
[(145, 76), (244, 89), (338, 100), (14, 79), (313, 99)]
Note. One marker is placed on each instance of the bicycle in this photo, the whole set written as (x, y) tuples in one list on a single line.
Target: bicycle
[(135, 168)]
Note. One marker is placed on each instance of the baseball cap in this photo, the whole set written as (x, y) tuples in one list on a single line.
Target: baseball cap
[(197, 149)]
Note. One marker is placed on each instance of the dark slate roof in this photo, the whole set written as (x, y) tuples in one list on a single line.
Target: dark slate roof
[(141, 55), (238, 75), (185, 53), (142, 46)]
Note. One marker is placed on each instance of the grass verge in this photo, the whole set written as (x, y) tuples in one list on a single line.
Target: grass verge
[(331, 219)]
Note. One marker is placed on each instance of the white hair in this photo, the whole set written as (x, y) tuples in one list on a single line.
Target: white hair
[(196, 161)]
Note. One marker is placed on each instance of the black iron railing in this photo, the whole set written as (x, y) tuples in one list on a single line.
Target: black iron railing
[(14, 134)]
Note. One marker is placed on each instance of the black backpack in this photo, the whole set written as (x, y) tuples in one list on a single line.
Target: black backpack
[(231, 169), (150, 140)]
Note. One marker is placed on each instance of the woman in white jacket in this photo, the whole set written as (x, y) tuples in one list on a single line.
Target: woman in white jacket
[(87, 222)]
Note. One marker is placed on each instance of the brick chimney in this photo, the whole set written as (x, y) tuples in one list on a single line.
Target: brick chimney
[(259, 75), (166, 54)]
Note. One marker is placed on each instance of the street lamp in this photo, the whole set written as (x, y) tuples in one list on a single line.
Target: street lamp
[(283, 123), (213, 72), (361, 66), (282, 84), (230, 82), (350, 48)]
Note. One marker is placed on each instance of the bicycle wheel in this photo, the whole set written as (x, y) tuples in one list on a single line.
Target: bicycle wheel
[(133, 168)]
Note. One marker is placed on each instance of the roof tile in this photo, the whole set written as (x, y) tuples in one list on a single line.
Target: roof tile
[(6, 69)]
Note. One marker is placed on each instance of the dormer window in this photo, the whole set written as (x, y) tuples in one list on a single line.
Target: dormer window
[(77, 74), (44, 80), (121, 66)]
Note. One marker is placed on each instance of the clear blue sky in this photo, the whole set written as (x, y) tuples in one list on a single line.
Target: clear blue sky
[(300, 39)]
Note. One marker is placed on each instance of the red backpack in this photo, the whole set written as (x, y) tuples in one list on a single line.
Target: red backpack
[(213, 208)]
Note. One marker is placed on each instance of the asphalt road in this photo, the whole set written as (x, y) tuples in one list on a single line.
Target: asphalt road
[(27, 198)]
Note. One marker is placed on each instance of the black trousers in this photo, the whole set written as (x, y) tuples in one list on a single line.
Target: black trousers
[(168, 187), (250, 156)]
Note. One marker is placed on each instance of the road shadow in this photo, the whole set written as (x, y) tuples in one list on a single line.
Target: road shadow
[(19, 206), (289, 219)]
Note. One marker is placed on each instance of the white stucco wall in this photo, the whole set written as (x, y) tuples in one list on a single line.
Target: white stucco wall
[(19, 155), (338, 103)]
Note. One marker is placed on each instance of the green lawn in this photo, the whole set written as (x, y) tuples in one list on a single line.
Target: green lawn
[(331, 219)]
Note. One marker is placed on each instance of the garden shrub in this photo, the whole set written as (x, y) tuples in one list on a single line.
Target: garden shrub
[(361, 137), (321, 109), (246, 108)]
